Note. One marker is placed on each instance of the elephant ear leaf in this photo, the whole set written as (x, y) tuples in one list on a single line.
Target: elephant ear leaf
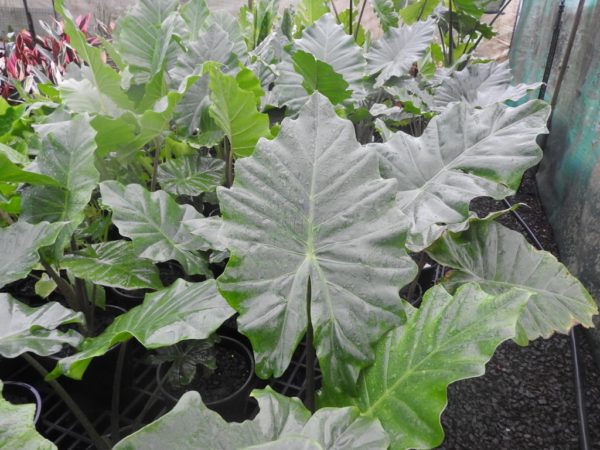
[(180, 312), (329, 218), (144, 37), (234, 111), (114, 264), (26, 329), (20, 243), (156, 225), (449, 338), (483, 153), (500, 259), (17, 429), (67, 155), (191, 175), (327, 41), (481, 85), (319, 76), (394, 54), (282, 422)]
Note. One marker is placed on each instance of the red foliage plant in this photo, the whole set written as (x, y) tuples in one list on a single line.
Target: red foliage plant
[(27, 62)]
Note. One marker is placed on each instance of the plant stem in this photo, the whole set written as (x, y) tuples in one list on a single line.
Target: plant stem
[(350, 17), (360, 16), (82, 296), (490, 24), (116, 394), (442, 40), (421, 11), (155, 166), (450, 38), (30, 22), (99, 442), (6, 217), (229, 155), (65, 288), (309, 399), (335, 11)]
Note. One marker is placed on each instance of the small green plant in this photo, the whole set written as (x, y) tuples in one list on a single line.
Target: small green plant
[(183, 360)]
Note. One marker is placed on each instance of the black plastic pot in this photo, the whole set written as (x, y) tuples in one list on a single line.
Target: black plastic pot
[(14, 389), (234, 407)]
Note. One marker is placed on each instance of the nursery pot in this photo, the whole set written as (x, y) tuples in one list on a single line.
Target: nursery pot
[(19, 393), (232, 406)]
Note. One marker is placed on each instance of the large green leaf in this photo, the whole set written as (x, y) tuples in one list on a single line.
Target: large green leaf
[(192, 110), (114, 264), (327, 41), (481, 85), (500, 259), (447, 339), (20, 243), (234, 111), (191, 175), (320, 76), (25, 329), (394, 54), (464, 153), (17, 430), (212, 45), (156, 225), (12, 173), (67, 155), (327, 217), (386, 13), (105, 81), (195, 14), (309, 11), (418, 10), (180, 312), (144, 37), (282, 422)]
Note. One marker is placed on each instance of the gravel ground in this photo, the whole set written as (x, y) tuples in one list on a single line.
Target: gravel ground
[(526, 399)]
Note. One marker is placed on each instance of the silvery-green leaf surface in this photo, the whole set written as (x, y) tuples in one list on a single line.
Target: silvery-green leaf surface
[(480, 85), (327, 41), (329, 217), (394, 54), (115, 264), (180, 312), (500, 259), (464, 153), (154, 223), (212, 45), (144, 37), (191, 175), (282, 422), (449, 338), (67, 155), (194, 13), (26, 329), (20, 243), (17, 430)]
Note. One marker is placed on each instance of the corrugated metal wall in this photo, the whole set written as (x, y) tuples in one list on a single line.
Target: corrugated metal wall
[(569, 176)]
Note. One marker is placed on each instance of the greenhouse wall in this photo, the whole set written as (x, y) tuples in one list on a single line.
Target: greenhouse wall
[(569, 176)]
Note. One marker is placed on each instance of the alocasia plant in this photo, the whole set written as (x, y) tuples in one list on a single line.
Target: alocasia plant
[(316, 225)]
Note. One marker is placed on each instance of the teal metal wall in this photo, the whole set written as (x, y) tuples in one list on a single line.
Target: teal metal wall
[(569, 176)]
